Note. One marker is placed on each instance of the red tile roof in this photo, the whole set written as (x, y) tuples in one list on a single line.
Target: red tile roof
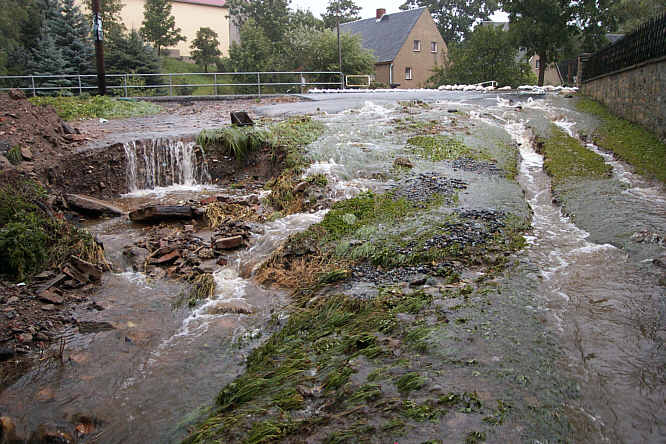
[(218, 3)]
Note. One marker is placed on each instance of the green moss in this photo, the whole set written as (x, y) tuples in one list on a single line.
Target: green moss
[(628, 141), (419, 412), (439, 147), (70, 107), (409, 382), (566, 159)]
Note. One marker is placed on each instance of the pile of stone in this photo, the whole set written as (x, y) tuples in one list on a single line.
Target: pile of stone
[(476, 166), (424, 187)]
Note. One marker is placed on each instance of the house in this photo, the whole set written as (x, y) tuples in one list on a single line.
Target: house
[(190, 15), (407, 45)]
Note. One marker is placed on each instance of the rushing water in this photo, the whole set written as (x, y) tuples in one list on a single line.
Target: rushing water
[(164, 162), (160, 367)]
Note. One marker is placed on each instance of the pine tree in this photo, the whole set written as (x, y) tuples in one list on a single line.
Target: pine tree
[(110, 12), (159, 26), (205, 47), (73, 38), (47, 58)]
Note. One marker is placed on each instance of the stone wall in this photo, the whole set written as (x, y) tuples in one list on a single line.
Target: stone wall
[(637, 93)]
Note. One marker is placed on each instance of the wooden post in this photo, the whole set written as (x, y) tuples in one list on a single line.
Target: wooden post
[(98, 33), (342, 79)]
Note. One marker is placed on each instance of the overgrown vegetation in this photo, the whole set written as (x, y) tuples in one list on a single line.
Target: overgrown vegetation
[(203, 287), (628, 141), (236, 141), (82, 107), (565, 158), (32, 239)]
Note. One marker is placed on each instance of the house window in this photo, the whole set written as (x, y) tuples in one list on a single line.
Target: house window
[(433, 46), (417, 45), (408, 73), (538, 64)]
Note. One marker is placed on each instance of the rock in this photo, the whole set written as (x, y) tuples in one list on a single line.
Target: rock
[(418, 280), (51, 297), (402, 162), (222, 261), (235, 306), (136, 257), (300, 187), (41, 337), (91, 206), (8, 431), (45, 394), (50, 435), (94, 327), (228, 243), (158, 213), (83, 271), (452, 110), (13, 300), (67, 128), (48, 307), (209, 200), (6, 353), (24, 338), (166, 258), (16, 94), (26, 153)]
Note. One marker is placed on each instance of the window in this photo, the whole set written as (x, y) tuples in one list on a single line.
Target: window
[(433, 46), (417, 45), (538, 64), (408, 73)]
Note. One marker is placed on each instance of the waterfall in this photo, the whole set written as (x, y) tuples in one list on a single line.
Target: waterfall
[(164, 162)]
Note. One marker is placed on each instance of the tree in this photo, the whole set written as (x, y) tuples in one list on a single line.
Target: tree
[(272, 16), (159, 26), (47, 57), (487, 54), (455, 18), (548, 27), (254, 52), (14, 13), (631, 13), (111, 21), (342, 10), (73, 38), (205, 47)]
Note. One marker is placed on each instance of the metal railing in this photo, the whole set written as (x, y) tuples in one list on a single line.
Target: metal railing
[(178, 84), (647, 42)]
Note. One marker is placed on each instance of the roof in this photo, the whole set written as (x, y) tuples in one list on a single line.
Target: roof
[(384, 37), (218, 3)]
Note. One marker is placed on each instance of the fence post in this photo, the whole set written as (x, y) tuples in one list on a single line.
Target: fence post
[(125, 80), (171, 85), (259, 83), (80, 89), (342, 80), (215, 82), (34, 93)]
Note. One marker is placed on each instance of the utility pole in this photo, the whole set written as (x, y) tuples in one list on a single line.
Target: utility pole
[(98, 33), (342, 78)]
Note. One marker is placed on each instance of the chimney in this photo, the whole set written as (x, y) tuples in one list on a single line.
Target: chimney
[(380, 13)]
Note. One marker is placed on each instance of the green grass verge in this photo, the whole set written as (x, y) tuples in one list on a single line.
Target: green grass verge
[(32, 240), (628, 141), (566, 159), (170, 65), (439, 147), (70, 108)]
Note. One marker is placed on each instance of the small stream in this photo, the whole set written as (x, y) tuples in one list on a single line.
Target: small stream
[(158, 370)]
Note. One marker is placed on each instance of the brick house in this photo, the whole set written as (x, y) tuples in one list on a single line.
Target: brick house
[(407, 45)]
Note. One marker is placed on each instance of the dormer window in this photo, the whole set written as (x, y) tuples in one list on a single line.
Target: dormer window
[(417, 45)]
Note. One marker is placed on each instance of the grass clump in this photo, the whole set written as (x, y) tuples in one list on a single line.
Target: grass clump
[(409, 382), (203, 287), (235, 141), (82, 107), (565, 159), (439, 147), (628, 141), (32, 238), (14, 155)]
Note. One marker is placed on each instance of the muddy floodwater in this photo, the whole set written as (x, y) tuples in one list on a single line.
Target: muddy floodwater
[(581, 318)]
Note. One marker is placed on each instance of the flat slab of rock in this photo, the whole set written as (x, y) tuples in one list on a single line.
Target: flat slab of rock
[(90, 205), (158, 213), (228, 243)]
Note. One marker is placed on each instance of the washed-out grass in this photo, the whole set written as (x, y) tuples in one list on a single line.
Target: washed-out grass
[(32, 239), (87, 107), (440, 147), (628, 141), (566, 159), (235, 141)]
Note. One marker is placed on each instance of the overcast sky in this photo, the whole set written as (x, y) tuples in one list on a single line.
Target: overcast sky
[(368, 7)]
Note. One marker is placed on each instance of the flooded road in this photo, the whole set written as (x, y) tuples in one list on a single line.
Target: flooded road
[(593, 282)]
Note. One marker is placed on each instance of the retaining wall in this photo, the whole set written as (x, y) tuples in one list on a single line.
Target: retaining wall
[(636, 93)]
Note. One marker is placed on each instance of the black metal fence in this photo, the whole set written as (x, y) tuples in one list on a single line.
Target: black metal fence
[(647, 42)]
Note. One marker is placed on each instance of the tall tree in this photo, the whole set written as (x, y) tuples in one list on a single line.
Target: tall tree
[(342, 10), (14, 13), (205, 47), (488, 53), (47, 57), (455, 18), (255, 51), (159, 26), (548, 27), (631, 13), (272, 16), (73, 38)]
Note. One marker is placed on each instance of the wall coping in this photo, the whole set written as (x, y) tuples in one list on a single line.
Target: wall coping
[(628, 68)]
